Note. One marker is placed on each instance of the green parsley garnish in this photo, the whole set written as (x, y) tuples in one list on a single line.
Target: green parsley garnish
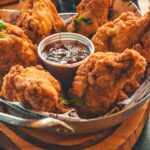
[(71, 101), (62, 100), (1, 37), (2, 25), (81, 19)]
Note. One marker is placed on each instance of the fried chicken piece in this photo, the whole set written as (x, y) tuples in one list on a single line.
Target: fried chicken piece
[(90, 15), (101, 78), (143, 47), (121, 33), (146, 39), (33, 86), (133, 85), (39, 18), (15, 48)]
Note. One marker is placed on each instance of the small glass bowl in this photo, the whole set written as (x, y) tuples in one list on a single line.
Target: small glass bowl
[(63, 72)]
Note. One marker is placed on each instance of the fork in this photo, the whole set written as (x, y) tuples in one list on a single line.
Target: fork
[(34, 120)]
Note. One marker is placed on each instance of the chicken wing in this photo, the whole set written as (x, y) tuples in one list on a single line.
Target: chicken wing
[(33, 86), (121, 33), (39, 18), (15, 48), (100, 79), (90, 15)]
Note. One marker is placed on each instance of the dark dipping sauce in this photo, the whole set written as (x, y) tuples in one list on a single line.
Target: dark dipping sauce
[(65, 52)]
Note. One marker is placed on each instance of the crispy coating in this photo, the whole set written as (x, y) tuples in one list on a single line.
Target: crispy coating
[(15, 48), (39, 18), (133, 85), (130, 87), (121, 33), (146, 39), (121, 96), (96, 10), (143, 47), (101, 78), (33, 86)]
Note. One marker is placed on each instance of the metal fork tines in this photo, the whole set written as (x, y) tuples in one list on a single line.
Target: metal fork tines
[(33, 120), (36, 123)]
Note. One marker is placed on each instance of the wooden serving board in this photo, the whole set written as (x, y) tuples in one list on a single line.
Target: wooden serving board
[(6, 2), (122, 137)]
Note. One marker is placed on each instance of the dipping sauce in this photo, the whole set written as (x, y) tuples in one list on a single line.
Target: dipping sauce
[(65, 52)]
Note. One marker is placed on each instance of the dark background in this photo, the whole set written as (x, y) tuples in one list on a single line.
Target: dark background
[(70, 5), (144, 140)]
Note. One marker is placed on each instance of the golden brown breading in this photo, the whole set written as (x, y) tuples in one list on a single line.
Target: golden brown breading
[(33, 86), (121, 33), (146, 39), (131, 86), (39, 18), (143, 47), (100, 78), (15, 48), (121, 96), (90, 15)]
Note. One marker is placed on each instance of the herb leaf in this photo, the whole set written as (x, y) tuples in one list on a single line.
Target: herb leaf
[(84, 19), (62, 100), (72, 101), (1, 25), (81, 19), (1, 37)]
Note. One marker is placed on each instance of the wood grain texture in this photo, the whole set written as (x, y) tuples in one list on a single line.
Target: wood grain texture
[(121, 138), (127, 134), (10, 6), (55, 141), (14, 140), (8, 2)]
